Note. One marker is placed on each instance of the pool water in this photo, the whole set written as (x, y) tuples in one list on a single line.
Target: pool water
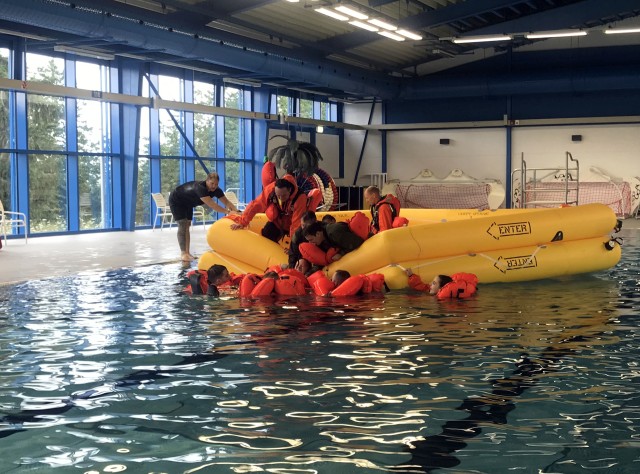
[(120, 372)]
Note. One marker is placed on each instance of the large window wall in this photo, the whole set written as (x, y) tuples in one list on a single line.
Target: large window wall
[(63, 159), (5, 166)]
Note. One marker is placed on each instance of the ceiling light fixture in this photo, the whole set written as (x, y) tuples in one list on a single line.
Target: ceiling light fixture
[(481, 39), (22, 34), (555, 34), (351, 12), (241, 82), (83, 52), (409, 34), (364, 26), (383, 24), (391, 35), (617, 31), (332, 14)]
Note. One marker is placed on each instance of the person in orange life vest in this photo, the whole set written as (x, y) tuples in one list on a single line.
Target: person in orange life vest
[(206, 282), (279, 282), (185, 197), (328, 243), (385, 210), (458, 285), (343, 284), (282, 203), (308, 218)]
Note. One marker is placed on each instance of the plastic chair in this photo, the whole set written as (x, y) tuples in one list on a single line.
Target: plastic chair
[(200, 212), (12, 219), (85, 205), (162, 210), (233, 199)]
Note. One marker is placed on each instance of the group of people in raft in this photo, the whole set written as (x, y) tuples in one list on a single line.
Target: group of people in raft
[(314, 244)]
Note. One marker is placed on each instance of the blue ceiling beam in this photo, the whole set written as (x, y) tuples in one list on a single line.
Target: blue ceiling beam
[(427, 19), (570, 16), (350, 80)]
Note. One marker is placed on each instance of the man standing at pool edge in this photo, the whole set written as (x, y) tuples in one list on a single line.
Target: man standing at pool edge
[(185, 197)]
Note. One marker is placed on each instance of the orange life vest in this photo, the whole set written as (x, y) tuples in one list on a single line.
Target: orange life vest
[(393, 203), (198, 283), (359, 225), (463, 286)]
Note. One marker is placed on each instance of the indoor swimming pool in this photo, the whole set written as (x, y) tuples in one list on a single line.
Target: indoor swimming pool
[(120, 372)]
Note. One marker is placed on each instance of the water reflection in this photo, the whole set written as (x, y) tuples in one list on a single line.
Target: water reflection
[(116, 370)]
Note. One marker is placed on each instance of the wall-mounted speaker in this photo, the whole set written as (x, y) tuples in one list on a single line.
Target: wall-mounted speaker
[(576, 138), (444, 141)]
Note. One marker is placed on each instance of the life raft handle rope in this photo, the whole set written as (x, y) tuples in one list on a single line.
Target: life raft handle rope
[(496, 262)]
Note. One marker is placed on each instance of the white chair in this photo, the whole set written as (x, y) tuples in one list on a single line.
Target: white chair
[(162, 210), (200, 212), (12, 219), (233, 199), (85, 205)]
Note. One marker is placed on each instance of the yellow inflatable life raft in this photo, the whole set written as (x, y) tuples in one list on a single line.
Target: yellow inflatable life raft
[(497, 246)]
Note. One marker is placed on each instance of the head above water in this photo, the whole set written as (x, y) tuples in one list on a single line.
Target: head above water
[(218, 274), (438, 282), (340, 276)]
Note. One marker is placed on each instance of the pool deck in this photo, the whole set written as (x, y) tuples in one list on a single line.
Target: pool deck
[(45, 257)]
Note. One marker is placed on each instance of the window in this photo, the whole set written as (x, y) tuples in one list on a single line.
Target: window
[(4, 62), (143, 199), (5, 181), (305, 108), (232, 125), (204, 124), (92, 116), (45, 69), (48, 192), (93, 197), (46, 122)]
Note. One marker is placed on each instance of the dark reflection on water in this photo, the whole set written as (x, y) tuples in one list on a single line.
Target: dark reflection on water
[(118, 372)]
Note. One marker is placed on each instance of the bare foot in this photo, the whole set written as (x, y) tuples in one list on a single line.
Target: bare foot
[(185, 257)]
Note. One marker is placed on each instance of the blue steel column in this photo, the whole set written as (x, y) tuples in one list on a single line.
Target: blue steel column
[(509, 136), (131, 83), (20, 162), (73, 201), (261, 103), (154, 141), (383, 141), (337, 115), (219, 121), (187, 166)]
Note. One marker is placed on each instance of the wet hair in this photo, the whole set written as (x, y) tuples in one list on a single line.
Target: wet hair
[(284, 183), (214, 272), (309, 216), (271, 274), (340, 276), (328, 219), (444, 279), (213, 291), (313, 229)]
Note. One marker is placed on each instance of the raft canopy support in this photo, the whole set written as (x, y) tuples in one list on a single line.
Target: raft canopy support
[(532, 190)]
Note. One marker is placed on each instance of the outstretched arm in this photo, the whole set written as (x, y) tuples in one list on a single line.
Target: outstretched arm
[(214, 205)]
